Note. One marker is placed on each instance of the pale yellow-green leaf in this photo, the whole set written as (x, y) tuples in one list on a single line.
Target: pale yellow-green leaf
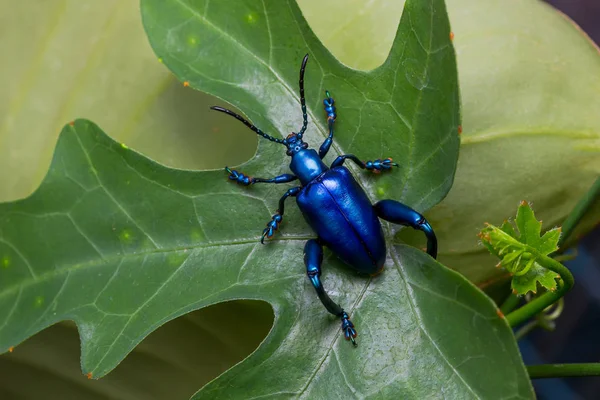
[(66, 59)]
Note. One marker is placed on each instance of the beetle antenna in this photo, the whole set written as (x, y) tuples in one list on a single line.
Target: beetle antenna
[(302, 99), (248, 124)]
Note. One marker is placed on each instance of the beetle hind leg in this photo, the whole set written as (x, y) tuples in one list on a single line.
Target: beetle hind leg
[(374, 166), (380, 165), (245, 180), (398, 213), (313, 258), (348, 328)]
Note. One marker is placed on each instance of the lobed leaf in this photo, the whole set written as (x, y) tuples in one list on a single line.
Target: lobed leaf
[(120, 245)]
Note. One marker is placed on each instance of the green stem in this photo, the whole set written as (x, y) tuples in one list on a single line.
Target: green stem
[(579, 211), (536, 306), (560, 370), (509, 304)]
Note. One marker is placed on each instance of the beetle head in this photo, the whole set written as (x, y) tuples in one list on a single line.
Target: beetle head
[(294, 143)]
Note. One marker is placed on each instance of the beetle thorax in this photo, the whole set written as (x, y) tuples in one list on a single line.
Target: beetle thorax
[(307, 165)]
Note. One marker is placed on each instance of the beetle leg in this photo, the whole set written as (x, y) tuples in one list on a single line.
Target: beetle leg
[(375, 166), (245, 180), (272, 226), (342, 159), (276, 219), (331, 115), (398, 213), (313, 258), (380, 165)]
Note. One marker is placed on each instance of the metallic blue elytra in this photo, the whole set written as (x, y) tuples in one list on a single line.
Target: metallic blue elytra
[(340, 213), (334, 205)]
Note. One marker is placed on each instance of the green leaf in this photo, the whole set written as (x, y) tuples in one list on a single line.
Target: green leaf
[(529, 227), (549, 242), (134, 244), (508, 228), (519, 253), (249, 55), (529, 282), (529, 81), (120, 245)]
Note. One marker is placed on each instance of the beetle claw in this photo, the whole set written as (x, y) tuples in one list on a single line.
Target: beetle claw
[(328, 104), (380, 165), (272, 226), (239, 177), (348, 328)]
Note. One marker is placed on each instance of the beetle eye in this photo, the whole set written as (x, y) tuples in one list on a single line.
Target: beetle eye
[(305, 145)]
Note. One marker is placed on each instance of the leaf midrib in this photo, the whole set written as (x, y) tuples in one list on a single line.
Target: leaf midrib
[(96, 262), (411, 144), (366, 286), (336, 337)]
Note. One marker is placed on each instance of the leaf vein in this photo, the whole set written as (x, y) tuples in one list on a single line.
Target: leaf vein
[(130, 318), (12, 310), (417, 314), (105, 189), (250, 53), (411, 143), (94, 263), (25, 261), (53, 302), (107, 284), (435, 294)]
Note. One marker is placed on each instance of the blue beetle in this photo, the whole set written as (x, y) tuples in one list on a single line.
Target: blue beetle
[(334, 205)]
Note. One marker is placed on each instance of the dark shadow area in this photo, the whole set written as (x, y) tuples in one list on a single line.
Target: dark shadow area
[(198, 138), (575, 339), (173, 362), (586, 13)]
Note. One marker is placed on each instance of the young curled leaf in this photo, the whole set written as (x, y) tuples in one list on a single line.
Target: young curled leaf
[(518, 250)]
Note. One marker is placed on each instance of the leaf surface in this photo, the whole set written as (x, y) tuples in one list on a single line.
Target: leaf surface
[(129, 253)]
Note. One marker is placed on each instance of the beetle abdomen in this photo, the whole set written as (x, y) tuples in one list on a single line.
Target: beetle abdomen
[(340, 213)]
